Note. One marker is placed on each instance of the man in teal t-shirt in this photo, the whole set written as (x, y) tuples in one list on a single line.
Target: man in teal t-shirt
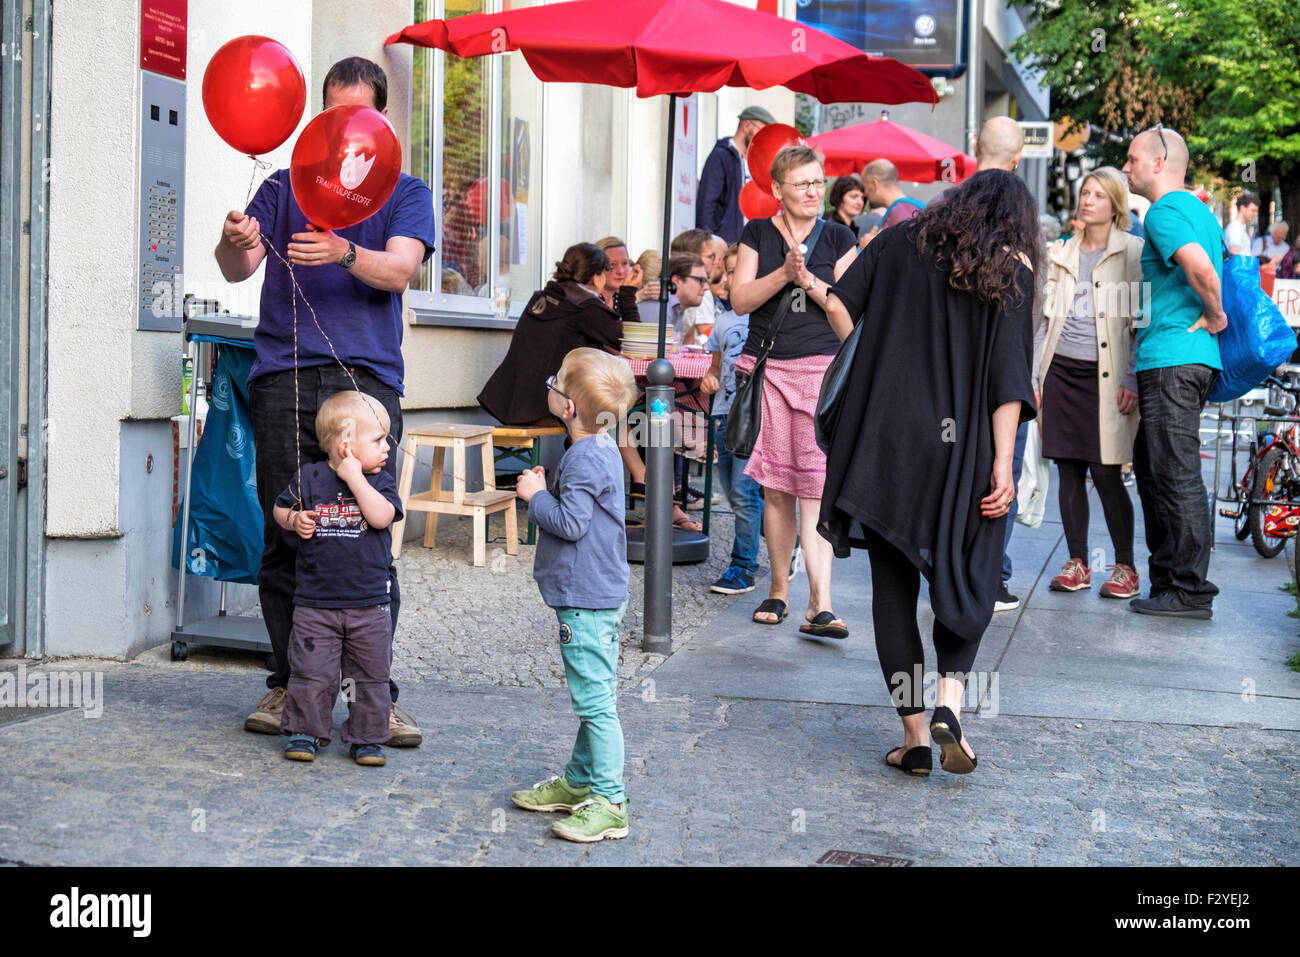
[(1177, 363)]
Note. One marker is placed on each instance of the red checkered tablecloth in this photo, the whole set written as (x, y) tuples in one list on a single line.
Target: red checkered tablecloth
[(686, 365)]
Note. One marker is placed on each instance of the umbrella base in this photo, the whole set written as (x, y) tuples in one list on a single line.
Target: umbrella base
[(688, 547)]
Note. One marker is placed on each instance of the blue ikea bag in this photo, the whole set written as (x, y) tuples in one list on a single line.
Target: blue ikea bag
[(226, 525), (1257, 339)]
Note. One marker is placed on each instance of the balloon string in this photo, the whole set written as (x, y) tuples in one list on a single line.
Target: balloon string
[(257, 164), (297, 421)]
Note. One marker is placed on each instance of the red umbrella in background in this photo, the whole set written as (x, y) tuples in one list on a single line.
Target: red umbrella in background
[(673, 47), (919, 158)]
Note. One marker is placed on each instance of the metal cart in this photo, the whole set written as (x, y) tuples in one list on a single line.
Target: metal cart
[(223, 630)]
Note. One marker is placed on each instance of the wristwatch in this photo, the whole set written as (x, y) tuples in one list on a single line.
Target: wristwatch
[(812, 283), (349, 257)]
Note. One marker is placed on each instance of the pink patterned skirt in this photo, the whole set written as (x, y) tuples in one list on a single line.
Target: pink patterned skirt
[(786, 457)]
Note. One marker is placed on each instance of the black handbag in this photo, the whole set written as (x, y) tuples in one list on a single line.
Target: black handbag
[(746, 415), (830, 400)]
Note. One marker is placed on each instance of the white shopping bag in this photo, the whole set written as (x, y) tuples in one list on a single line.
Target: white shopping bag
[(1031, 493)]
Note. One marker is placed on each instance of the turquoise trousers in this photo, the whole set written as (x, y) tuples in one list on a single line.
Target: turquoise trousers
[(589, 645)]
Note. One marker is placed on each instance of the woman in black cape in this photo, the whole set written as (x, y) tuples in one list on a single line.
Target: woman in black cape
[(919, 465)]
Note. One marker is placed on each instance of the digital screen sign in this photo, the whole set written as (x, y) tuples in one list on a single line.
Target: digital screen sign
[(925, 34)]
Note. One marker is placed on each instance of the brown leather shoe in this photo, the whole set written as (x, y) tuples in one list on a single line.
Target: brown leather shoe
[(266, 719), (403, 732)]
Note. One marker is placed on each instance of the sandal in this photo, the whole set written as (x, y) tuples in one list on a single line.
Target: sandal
[(917, 760), (636, 490), (945, 729), (821, 627), (772, 606), (687, 524)]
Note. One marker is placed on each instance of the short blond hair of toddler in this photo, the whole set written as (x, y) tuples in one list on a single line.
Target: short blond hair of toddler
[(340, 414), (601, 387)]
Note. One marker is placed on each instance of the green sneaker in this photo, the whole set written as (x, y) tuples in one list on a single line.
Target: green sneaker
[(553, 794), (592, 821)]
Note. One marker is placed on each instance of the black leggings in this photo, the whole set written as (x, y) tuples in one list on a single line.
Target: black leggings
[(1115, 503), (895, 585)]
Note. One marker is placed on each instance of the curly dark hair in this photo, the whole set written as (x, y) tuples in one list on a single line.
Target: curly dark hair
[(581, 261), (982, 227)]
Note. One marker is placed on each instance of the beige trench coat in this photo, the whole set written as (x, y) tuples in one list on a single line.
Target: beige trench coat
[(1117, 282)]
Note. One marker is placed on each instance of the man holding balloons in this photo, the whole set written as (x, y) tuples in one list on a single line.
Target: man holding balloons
[(343, 232)]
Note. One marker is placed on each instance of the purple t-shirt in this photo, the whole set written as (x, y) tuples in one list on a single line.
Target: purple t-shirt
[(345, 562), (363, 323)]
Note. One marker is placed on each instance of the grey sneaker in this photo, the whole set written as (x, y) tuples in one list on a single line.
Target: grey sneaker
[(266, 719), (403, 732), (553, 794)]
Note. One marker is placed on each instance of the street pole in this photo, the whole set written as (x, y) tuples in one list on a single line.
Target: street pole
[(659, 398), (974, 98)]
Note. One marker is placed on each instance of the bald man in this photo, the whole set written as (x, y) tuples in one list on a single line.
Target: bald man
[(880, 178), (1177, 363), (999, 144)]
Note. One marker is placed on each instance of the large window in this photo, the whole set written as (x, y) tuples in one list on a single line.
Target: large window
[(475, 130)]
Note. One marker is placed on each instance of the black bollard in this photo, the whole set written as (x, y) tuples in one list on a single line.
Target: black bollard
[(659, 398)]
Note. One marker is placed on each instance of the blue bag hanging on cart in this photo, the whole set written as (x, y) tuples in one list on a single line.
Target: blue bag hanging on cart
[(225, 532), (1257, 339)]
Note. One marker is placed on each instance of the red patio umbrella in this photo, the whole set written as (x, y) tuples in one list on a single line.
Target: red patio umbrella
[(676, 47), (919, 158)]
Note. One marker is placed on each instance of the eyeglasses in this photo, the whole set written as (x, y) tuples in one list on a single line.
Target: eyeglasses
[(1157, 130), (702, 280), (553, 383), (807, 184)]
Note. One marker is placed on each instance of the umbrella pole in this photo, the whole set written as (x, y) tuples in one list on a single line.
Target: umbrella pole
[(657, 638)]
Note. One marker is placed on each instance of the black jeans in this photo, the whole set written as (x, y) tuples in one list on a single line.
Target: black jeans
[(271, 404), (1167, 464)]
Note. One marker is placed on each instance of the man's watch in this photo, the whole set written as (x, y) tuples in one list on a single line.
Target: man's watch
[(812, 283), (350, 256)]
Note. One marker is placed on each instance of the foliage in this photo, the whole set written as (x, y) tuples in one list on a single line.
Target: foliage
[(1223, 72)]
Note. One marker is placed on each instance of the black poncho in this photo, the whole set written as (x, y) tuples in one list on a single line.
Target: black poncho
[(913, 451)]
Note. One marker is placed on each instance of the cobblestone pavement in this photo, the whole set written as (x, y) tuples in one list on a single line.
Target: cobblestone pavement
[(1109, 738)]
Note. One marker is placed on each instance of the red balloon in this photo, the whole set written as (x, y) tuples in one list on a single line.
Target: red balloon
[(254, 94), (763, 148), (755, 203), (345, 166)]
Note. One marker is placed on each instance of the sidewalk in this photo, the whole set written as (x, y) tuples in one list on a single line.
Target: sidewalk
[(1114, 739)]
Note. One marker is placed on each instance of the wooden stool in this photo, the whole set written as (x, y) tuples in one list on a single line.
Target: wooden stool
[(518, 438), (459, 438)]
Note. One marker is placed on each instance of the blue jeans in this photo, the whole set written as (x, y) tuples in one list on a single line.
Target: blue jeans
[(746, 498), (1167, 465), (589, 646), (1017, 461)]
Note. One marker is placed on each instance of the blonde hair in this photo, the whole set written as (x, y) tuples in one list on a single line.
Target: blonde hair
[(652, 264), (1114, 184), (792, 157), (338, 417), (599, 384), (610, 242)]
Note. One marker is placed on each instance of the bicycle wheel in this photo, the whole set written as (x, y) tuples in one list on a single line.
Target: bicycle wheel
[(1241, 524), (1269, 484)]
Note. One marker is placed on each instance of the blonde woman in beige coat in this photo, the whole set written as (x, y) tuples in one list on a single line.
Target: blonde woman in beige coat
[(1084, 348)]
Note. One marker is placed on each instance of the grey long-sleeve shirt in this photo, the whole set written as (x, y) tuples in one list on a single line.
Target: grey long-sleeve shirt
[(581, 559)]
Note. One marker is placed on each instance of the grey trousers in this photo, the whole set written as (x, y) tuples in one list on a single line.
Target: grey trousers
[(325, 643)]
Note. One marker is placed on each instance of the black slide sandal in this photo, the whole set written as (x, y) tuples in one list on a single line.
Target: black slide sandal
[(821, 627), (772, 606)]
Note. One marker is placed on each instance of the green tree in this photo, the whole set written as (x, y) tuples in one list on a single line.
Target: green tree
[(1223, 72)]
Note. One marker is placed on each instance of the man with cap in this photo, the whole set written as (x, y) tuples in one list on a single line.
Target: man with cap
[(717, 205)]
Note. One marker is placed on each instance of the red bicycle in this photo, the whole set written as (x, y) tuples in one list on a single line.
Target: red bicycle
[(1272, 475)]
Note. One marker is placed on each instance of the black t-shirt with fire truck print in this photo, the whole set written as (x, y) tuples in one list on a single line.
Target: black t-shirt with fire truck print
[(345, 563)]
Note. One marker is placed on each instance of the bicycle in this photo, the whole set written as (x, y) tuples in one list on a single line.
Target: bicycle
[(1272, 474)]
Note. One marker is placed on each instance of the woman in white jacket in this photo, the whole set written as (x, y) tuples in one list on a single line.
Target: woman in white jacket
[(1085, 347)]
